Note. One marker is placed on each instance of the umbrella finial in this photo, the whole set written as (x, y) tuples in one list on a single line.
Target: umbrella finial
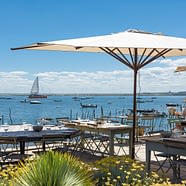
[(139, 31), (143, 32)]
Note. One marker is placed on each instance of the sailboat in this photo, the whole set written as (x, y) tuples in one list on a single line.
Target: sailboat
[(35, 90)]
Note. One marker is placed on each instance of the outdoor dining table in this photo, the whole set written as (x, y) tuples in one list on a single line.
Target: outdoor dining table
[(110, 129), (31, 136), (173, 146)]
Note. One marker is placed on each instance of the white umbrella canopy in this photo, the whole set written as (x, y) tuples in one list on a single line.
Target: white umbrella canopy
[(134, 48), (123, 41)]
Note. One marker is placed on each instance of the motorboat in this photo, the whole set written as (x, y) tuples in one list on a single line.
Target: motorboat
[(172, 105), (88, 105), (149, 112), (35, 102)]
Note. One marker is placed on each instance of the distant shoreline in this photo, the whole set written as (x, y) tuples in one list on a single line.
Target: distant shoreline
[(103, 94)]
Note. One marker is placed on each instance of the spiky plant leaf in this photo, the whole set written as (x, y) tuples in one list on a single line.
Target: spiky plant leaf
[(53, 169)]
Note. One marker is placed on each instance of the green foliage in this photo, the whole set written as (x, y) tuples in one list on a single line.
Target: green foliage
[(120, 171), (53, 169)]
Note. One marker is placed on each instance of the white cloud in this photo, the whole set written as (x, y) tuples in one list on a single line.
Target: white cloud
[(159, 77), (174, 62)]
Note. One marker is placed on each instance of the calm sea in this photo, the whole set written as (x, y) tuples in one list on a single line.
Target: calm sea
[(14, 111)]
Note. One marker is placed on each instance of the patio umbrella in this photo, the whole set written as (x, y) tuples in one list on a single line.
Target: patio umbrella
[(180, 69), (133, 48)]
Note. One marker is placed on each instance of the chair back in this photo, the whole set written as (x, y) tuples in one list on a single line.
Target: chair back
[(148, 121), (8, 140), (153, 133)]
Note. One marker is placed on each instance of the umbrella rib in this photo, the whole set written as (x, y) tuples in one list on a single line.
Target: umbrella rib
[(155, 57), (146, 58), (159, 52), (32, 46), (110, 52), (136, 64), (142, 55), (123, 55), (131, 56)]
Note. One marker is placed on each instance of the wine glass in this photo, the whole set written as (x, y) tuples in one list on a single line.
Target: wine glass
[(48, 127), (25, 126), (5, 126), (38, 122), (60, 126)]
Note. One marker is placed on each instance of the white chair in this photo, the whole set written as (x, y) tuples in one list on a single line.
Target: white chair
[(148, 122)]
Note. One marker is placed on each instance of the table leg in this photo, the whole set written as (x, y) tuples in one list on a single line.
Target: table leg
[(148, 158), (111, 145), (22, 147), (43, 146), (176, 169), (130, 143)]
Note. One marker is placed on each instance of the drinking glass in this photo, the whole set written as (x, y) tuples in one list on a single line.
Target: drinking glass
[(60, 126), (6, 126), (48, 127), (26, 127), (38, 122)]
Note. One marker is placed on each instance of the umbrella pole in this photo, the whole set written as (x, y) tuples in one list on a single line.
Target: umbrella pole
[(134, 115)]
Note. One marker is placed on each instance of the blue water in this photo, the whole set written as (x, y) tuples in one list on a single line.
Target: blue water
[(15, 112)]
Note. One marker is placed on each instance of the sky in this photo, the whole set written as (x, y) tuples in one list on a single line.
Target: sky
[(26, 22)]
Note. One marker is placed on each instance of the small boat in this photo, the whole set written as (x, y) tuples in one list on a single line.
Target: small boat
[(57, 100), (144, 100), (5, 98), (172, 105), (143, 110), (153, 112), (76, 98), (35, 90), (35, 102), (88, 105), (156, 113)]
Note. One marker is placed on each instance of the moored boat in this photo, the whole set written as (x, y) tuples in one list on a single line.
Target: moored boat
[(153, 112), (172, 105), (35, 102), (37, 96), (35, 90), (88, 105)]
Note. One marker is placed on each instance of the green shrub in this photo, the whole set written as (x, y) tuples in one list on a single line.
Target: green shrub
[(123, 171), (53, 169)]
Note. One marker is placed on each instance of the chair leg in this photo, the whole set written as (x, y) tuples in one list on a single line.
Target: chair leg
[(103, 144), (177, 168), (100, 145), (167, 158), (121, 142)]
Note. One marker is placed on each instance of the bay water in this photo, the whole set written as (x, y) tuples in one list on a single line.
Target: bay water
[(13, 110)]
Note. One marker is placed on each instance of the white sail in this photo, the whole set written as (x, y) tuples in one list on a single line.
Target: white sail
[(35, 90), (35, 86)]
